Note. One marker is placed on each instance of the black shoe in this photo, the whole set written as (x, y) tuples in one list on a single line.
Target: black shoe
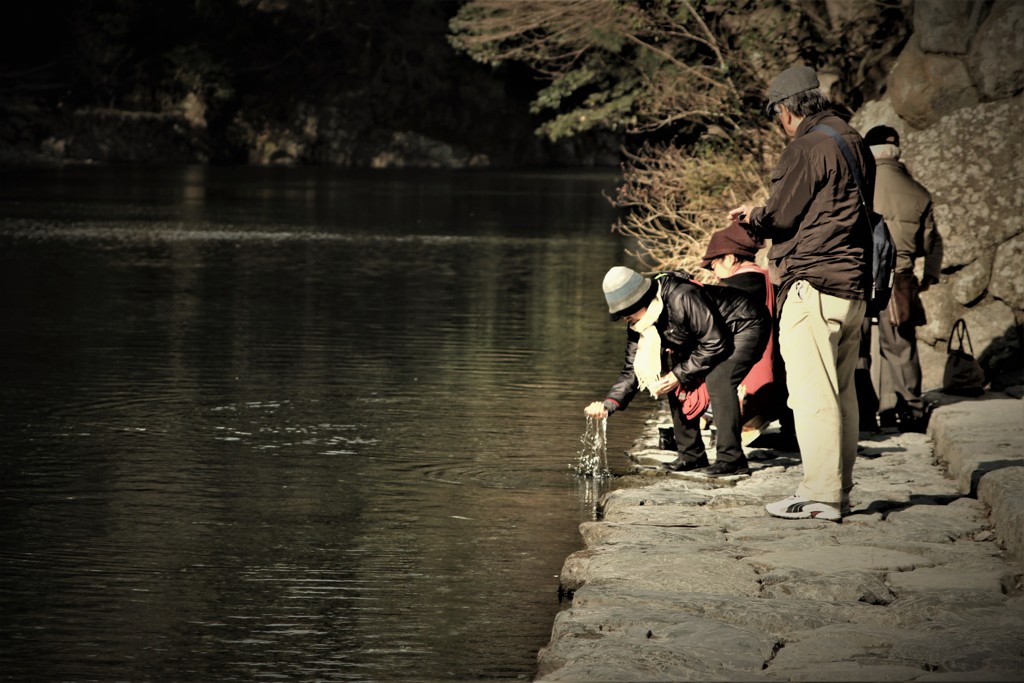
[(910, 422), (682, 464), (725, 469), (666, 439)]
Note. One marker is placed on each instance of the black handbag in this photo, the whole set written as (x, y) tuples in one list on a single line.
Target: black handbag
[(963, 375)]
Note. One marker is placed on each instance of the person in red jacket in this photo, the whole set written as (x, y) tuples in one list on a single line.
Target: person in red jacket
[(730, 256)]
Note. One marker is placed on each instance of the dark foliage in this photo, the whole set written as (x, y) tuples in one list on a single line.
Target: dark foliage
[(385, 64)]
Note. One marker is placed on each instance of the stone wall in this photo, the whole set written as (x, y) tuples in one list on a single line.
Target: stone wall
[(955, 96)]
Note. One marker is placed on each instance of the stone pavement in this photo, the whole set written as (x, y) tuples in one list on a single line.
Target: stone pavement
[(687, 578)]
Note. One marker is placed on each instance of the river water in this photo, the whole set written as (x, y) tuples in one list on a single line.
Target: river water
[(296, 424)]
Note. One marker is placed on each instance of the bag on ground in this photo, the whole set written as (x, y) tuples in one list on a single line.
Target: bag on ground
[(963, 375)]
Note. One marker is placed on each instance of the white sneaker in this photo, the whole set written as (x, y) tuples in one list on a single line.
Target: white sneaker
[(798, 507)]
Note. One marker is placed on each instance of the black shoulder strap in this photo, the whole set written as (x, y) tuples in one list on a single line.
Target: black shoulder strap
[(850, 161)]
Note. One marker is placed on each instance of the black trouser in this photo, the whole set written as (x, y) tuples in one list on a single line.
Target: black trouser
[(722, 383), (867, 399), (900, 376)]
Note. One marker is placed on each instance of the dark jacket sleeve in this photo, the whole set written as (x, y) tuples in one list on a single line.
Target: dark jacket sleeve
[(690, 310), (626, 386)]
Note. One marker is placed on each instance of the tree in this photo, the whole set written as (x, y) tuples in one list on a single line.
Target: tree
[(683, 80), (632, 66)]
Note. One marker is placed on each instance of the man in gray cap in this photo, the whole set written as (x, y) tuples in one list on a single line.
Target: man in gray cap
[(820, 259), (683, 335)]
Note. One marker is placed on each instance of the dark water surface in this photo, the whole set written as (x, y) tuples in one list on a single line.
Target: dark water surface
[(299, 425)]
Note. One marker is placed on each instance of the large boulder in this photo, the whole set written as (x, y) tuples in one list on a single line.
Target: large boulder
[(972, 164), (996, 59), (1007, 283), (970, 283), (878, 112), (941, 25), (925, 86)]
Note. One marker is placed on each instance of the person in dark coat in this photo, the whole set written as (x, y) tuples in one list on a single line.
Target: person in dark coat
[(684, 339), (907, 208)]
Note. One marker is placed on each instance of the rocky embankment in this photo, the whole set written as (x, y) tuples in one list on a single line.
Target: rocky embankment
[(956, 94), (687, 578)]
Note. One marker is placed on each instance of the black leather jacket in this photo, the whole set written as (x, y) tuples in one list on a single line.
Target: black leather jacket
[(700, 327)]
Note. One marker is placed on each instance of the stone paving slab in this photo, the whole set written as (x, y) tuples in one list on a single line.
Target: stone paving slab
[(687, 578), (648, 646), (974, 438), (1003, 491)]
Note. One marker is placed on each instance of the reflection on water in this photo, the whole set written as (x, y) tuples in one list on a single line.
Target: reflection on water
[(295, 424)]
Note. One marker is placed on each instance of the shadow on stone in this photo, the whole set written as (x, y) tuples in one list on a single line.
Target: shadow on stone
[(984, 467), (872, 453), (776, 441), (885, 507)]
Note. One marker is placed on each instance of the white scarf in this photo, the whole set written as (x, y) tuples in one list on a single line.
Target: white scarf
[(647, 362)]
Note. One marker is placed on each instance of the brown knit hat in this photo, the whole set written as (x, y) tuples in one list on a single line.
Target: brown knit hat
[(731, 240)]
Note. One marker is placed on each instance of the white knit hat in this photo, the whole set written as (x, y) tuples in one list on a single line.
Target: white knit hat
[(624, 288)]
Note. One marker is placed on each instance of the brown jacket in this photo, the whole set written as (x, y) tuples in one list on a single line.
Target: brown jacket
[(907, 208), (819, 231)]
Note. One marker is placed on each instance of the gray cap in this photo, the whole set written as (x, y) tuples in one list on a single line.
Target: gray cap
[(624, 288), (795, 79)]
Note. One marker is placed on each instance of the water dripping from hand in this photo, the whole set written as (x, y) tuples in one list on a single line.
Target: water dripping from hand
[(593, 455)]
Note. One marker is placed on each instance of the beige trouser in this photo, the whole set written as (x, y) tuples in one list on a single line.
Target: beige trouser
[(819, 336)]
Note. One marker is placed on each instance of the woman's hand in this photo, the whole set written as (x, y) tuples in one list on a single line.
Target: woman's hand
[(596, 410), (666, 384)]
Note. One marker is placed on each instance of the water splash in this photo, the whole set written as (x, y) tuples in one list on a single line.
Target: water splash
[(593, 455)]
